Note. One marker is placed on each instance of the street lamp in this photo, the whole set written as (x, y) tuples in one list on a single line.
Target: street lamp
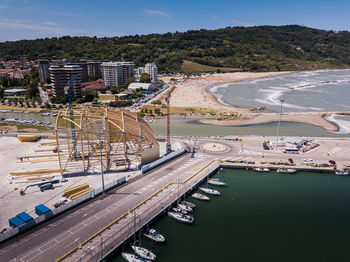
[(99, 136), (279, 123)]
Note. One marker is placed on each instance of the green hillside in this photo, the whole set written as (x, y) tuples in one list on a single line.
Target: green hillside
[(260, 48)]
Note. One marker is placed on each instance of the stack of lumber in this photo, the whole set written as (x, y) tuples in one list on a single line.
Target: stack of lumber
[(77, 191)]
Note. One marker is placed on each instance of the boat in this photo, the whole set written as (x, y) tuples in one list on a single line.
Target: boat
[(216, 182), (200, 196), (284, 170), (342, 173), (261, 169), (182, 218), (179, 210), (210, 191), (184, 207), (186, 203), (144, 253), (154, 235), (131, 257)]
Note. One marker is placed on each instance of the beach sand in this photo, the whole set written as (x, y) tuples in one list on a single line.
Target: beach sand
[(193, 93)]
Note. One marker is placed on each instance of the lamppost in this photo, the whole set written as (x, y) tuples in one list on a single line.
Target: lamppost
[(279, 123), (99, 136)]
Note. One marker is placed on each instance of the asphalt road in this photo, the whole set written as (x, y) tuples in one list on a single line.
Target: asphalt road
[(56, 237)]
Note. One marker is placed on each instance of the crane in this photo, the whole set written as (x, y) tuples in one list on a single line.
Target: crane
[(68, 91), (168, 145)]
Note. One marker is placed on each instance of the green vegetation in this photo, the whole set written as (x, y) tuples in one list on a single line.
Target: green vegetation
[(145, 78), (259, 48), (189, 67)]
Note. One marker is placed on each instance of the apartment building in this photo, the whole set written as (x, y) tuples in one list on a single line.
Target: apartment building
[(152, 70), (61, 75), (116, 73)]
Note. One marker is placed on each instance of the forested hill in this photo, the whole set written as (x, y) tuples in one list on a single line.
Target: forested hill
[(260, 48)]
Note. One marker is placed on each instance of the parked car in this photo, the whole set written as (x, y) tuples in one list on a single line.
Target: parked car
[(290, 160), (311, 161), (304, 161), (332, 162)]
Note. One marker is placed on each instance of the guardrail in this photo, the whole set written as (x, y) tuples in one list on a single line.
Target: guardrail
[(162, 161)]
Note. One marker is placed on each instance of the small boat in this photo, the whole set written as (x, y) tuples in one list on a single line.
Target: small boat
[(131, 258), (342, 173), (154, 235), (182, 218), (184, 207), (261, 169), (179, 210), (210, 191), (284, 170), (200, 196), (186, 203), (216, 182), (144, 253)]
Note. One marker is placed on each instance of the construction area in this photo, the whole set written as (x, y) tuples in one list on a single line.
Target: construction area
[(87, 141)]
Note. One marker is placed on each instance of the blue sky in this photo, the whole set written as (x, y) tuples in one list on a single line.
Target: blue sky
[(30, 19)]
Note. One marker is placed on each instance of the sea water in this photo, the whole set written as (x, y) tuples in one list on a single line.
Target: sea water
[(326, 90), (262, 217)]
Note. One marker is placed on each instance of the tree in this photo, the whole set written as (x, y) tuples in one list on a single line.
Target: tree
[(130, 80), (145, 78), (90, 95)]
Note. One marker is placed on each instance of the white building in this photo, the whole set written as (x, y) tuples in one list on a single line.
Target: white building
[(144, 86), (116, 73), (152, 70)]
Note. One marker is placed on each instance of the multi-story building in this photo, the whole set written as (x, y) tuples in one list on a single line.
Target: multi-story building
[(94, 69), (152, 70), (84, 69), (43, 69), (60, 76), (116, 73)]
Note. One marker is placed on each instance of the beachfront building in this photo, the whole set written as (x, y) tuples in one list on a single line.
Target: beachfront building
[(84, 69), (152, 70), (144, 86), (61, 75), (15, 92), (43, 70), (116, 73), (94, 69)]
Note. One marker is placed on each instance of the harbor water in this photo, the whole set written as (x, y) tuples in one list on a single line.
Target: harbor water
[(183, 127), (262, 217)]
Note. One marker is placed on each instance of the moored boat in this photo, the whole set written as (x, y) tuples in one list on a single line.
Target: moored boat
[(179, 210), (210, 191), (216, 182), (144, 253), (184, 207), (261, 169), (154, 235), (131, 257), (284, 170), (186, 203), (200, 196), (181, 218), (342, 173)]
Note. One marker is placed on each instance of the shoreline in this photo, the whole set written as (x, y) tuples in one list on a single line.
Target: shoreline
[(198, 90)]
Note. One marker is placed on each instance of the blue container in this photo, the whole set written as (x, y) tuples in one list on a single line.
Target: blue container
[(24, 216), (41, 209), (15, 222)]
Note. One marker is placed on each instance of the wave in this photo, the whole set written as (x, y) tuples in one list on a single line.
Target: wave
[(344, 125)]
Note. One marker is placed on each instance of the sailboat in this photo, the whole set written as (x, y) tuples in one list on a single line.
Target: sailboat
[(216, 182), (132, 257), (144, 253), (210, 191)]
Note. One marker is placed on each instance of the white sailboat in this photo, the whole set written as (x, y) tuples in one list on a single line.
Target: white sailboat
[(284, 170), (184, 207), (144, 253), (261, 169), (154, 235), (181, 218), (216, 182), (132, 258), (210, 191), (179, 210), (186, 203), (200, 196)]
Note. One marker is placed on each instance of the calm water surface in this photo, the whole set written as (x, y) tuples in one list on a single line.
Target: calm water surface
[(270, 217)]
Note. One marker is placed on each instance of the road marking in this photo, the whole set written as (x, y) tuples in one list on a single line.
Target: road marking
[(89, 213)]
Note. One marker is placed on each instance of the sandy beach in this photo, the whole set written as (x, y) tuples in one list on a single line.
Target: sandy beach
[(193, 93)]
